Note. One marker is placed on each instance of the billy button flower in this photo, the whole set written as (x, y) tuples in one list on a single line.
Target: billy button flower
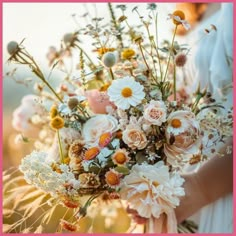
[(105, 139), (57, 122), (128, 53), (53, 112), (91, 153), (112, 178)]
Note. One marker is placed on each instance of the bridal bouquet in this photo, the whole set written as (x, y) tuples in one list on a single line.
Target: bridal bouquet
[(120, 128)]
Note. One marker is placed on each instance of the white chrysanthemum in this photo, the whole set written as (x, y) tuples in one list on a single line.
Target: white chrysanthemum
[(37, 170), (151, 190), (126, 92)]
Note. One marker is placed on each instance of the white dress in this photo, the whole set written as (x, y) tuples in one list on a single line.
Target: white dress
[(213, 58)]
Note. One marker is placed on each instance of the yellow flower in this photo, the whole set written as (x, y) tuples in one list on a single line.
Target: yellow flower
[(179, 14), (57, 122), (128, 53), (105, 87), (103, 50), (53, 112)]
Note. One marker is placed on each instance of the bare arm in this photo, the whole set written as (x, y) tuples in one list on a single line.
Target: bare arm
[(212, 181)]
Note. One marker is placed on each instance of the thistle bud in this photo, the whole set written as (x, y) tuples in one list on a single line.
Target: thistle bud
[(109, 59), (12, 47), (73, 103)]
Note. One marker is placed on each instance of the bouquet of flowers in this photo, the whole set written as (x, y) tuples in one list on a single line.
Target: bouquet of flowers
[(120, 128)]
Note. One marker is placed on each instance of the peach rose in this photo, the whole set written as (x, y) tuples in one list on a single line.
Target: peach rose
[(183, 137), (96, 126), (98, 101), (134, 137), (155, 113)]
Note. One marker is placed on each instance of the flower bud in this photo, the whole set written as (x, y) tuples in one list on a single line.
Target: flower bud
[(12, 47), (69, 38), (109, 59), (180, 59), (73, 103)]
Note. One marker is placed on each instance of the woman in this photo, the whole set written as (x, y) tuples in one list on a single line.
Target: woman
[(212, 185)]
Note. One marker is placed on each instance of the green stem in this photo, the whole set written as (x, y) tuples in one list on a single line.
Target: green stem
[(60, 147), (76, 45), (171, 48), (144, 59), (38, 73), (111, 73), (174, 82)]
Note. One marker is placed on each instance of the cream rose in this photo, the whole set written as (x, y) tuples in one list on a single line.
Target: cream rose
[(155, 113), (183, 137), (134, 137), (96, 126)]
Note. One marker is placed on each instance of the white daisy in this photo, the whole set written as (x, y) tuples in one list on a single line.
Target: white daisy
[(126, 92)]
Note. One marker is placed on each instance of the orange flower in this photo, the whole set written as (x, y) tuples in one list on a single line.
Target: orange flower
[(91, 153), (105, 139), (70, 203), (112, 178), (103, 50), (120, 157)]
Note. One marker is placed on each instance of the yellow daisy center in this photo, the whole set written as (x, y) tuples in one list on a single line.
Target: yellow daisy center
[(126, 92), (176, 123), (120, 158), (112, 178)]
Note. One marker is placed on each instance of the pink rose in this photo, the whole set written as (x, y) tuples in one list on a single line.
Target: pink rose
[(23, 114), (98, 101), (155, 113)]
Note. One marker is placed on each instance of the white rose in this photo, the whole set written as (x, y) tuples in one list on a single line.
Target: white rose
[(96, 126), (155, 113)]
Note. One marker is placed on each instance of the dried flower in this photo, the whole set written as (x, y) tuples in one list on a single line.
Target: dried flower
[(112, 178), (91, 153), (89, 180), (73, 103), (120, 157), (76, 149), (105, 139), (180, 59), (68, 226)]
